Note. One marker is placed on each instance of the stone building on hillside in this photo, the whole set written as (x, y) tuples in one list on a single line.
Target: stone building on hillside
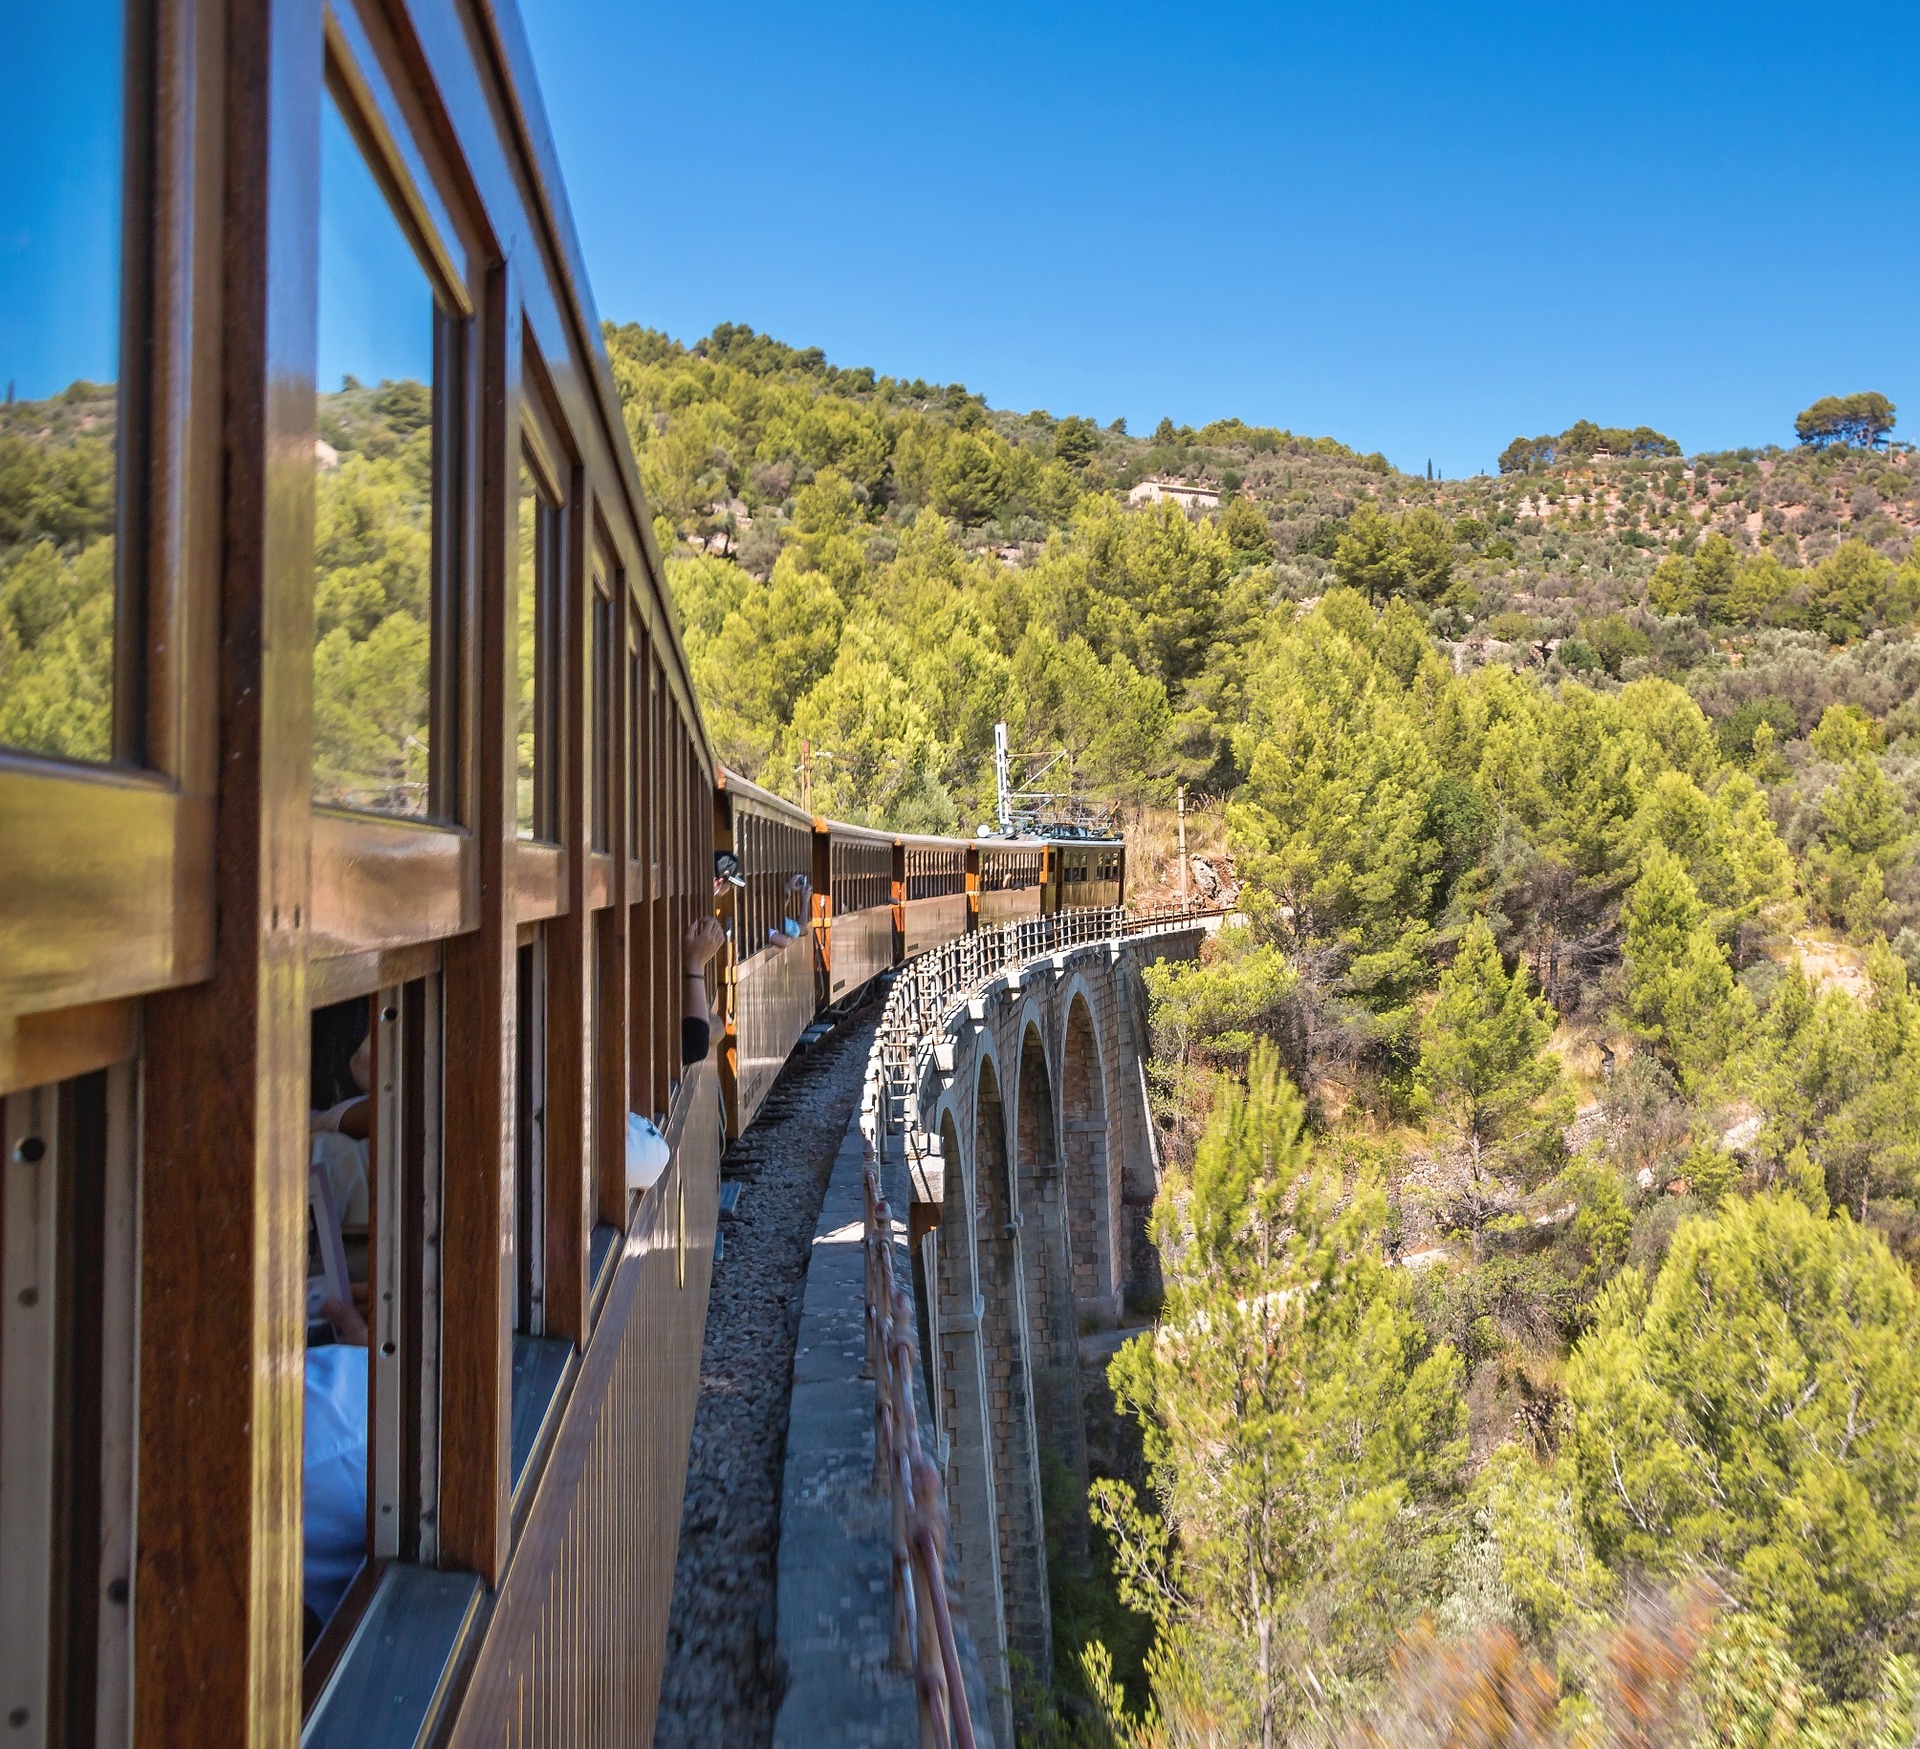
[(1188, 494)]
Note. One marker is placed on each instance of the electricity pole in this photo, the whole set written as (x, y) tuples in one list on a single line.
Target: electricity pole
[(1180, 803), (1002, 783)]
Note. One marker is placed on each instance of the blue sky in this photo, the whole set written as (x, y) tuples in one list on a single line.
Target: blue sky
[(376, 303), (1422, 229), (59, 199), (1419, 229)]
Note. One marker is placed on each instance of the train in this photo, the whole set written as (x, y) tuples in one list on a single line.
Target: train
[(817, 909), (356, 809)]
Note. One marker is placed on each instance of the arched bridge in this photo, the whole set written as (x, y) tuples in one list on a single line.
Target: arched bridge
[(1006, 1136)]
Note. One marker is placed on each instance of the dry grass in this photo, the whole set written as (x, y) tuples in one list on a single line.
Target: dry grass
[(1153, 837)]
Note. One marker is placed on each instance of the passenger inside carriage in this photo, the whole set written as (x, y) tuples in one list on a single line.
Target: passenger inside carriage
[(795, 901), (333, 1467), (334, 1455)]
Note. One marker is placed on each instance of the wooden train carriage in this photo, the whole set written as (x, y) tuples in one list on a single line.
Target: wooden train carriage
[(853, 904), (1083, 873), (360, 715), (1012, 879), (935, 877), (772, 953)]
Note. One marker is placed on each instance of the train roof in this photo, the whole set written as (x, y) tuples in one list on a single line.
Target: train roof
[(842, 829), (931, 841), (731, 783)]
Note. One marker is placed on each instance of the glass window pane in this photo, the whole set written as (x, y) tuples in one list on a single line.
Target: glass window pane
[(527, 653), (62, 139), (537, 583), (373, 583)]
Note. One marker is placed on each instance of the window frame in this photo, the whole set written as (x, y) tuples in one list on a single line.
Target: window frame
[(347, 85)]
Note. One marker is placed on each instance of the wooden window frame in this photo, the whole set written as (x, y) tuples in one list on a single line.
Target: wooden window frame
[(380, 880)]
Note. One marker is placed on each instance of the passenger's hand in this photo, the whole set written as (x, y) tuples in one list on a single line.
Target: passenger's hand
[(347, 1323), (704, 939)]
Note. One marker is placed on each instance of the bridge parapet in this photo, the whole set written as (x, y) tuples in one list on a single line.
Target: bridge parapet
[(1005, 1114)]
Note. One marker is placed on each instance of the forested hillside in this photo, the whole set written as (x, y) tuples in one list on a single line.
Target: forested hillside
[(1539, 1355), (840, 537)]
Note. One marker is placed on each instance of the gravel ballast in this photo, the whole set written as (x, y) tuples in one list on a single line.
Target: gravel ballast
[(721, 1684)]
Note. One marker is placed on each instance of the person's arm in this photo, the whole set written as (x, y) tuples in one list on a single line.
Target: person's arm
[(704, 939), (351, 1117)]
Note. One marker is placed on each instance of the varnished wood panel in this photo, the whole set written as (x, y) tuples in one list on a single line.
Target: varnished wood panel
[(773, 1004), (105, 888), (929, 922), (382, 883), (476, 1256), (569, 1118), (862, 947), (540, 881), (575, 1648), (222, 1236), (38, 1049), (338, 977)]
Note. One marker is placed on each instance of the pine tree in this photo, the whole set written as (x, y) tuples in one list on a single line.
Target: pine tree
[(1297, 1429), (1756, 1410), (1484, 1064), (1332, 826), (1680, 994)]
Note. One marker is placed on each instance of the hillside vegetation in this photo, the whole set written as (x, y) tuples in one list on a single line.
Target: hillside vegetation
[(1537, 1352), (840, 537)]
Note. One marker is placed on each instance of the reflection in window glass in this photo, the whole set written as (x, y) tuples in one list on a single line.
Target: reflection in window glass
[(60, 214), (538, 567), (373, 584)]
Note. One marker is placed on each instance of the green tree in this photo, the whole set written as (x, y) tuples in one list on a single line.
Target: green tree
[(1757, 1410), (876, 760), (1426, 548), (1863, 838), (1299, 1433), (972, 479), (1846, 419), (1839, 1079), (1333, 827), (1680, 992), (1369, 557), (1484, 1062), (1245, 525)]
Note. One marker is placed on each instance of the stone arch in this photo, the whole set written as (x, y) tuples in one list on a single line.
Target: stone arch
[(1043, 1230), (1092, 1189), (960, 1398), (1009, 1380)]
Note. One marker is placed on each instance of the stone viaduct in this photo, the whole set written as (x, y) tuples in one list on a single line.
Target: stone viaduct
[(1033, 1165), (1006, 1110)]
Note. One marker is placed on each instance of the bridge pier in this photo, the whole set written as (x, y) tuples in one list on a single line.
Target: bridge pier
[(1036, 1088)]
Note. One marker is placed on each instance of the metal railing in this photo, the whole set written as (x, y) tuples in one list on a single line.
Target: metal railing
[(925, 992), (923, 1637)]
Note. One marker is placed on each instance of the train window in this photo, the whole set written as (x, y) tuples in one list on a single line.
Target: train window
[(372, 1392), (529, 1151), (374, 609), (62, 138), (67, 1409), (536, 811), (539, 1360), (634, 696)]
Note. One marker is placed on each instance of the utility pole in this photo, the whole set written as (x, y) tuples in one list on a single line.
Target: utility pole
[(1180, 803), (1002, 784), (806, 776)]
